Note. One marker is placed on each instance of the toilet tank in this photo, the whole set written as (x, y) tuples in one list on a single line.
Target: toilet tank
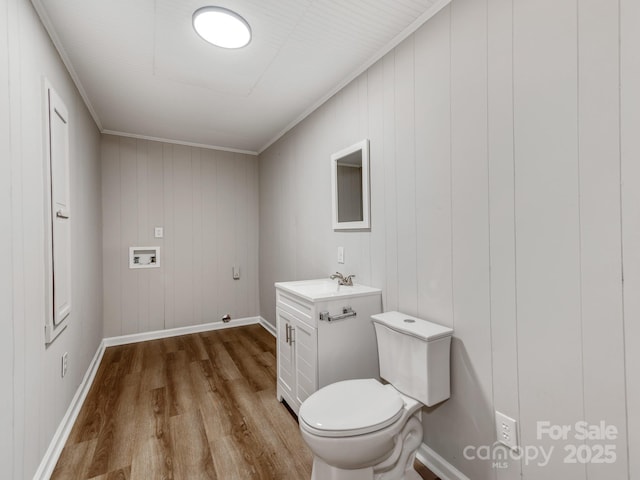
[(414, 356)]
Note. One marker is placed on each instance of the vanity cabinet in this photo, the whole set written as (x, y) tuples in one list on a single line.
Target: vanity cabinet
[(311, 352)]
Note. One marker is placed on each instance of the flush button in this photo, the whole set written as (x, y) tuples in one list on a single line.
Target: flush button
[(409, 320)]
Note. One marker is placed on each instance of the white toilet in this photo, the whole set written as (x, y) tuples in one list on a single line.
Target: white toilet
[(363, 429)]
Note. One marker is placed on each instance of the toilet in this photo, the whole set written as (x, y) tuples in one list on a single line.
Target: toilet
[(364, 429)]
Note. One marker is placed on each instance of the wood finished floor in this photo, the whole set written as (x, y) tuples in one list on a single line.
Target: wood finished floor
[(199, 406)]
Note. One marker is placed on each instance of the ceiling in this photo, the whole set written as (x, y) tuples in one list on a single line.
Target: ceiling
[(144, 72)]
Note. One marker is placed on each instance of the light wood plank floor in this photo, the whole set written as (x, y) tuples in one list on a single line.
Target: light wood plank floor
[(199, 406)]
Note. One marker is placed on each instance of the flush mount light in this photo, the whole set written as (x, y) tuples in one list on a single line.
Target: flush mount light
[(221, 27)]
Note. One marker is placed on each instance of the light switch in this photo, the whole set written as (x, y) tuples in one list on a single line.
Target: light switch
[(159, 232), (236, 273), (340, 254)]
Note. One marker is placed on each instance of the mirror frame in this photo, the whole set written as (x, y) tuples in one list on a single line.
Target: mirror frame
[(365, 223)]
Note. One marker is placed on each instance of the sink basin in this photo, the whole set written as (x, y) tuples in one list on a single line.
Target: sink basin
[(325, 289)]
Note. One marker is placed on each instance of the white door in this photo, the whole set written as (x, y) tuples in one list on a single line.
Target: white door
[(59, 281)]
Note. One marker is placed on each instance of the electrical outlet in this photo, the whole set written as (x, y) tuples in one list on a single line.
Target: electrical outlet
[(340, 254), (158, 232), (65, 363), (506, 430)]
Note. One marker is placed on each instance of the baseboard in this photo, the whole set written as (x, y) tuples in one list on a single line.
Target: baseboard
[(48, 463), (438, 465), (175, 332), (51, 456), (268, 327)]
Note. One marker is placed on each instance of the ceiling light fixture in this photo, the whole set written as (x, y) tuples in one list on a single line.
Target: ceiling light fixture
[(221, 27)]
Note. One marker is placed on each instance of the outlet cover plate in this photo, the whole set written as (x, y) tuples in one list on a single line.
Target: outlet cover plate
[(507, 430)]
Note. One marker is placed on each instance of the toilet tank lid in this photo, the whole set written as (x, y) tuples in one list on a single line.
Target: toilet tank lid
[(416, 327)]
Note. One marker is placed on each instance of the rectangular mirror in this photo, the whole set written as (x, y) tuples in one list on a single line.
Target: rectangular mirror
[(350, 187)]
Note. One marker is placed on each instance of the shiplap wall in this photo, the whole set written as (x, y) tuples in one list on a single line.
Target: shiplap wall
[(630, 173), (6, 270), (496, 209), (207, 203), (34, 396)]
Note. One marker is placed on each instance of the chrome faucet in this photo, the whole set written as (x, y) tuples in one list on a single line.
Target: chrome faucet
[(342, 280)]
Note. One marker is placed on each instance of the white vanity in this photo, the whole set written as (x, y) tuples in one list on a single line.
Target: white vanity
[(325, 334)]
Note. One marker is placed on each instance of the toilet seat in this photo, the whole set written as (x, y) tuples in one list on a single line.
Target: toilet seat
[(351, 407)]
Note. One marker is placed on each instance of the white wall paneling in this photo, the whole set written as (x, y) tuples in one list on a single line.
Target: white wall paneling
[(630, 179), (110, 243), (6, 263), (209, 276), (502, 217), (390, 293), (547, 229), (364, 247), (128, 281), (267, 218), (16, 232), (251, 218), (184, 182), (495, 194), (433, 170), (154, 218), (375, 90), (206, 201), (471, 359), (225, 230), (405, 167), (168, 243), (38, 395), (144, 226), (600, 234)]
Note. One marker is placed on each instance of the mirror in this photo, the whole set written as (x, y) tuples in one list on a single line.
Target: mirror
[(350, 185)]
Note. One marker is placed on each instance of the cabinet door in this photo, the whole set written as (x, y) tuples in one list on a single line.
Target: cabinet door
[(286, 365), (306, 360)]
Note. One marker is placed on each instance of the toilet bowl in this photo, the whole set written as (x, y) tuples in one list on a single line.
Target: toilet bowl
[(363, 429)]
